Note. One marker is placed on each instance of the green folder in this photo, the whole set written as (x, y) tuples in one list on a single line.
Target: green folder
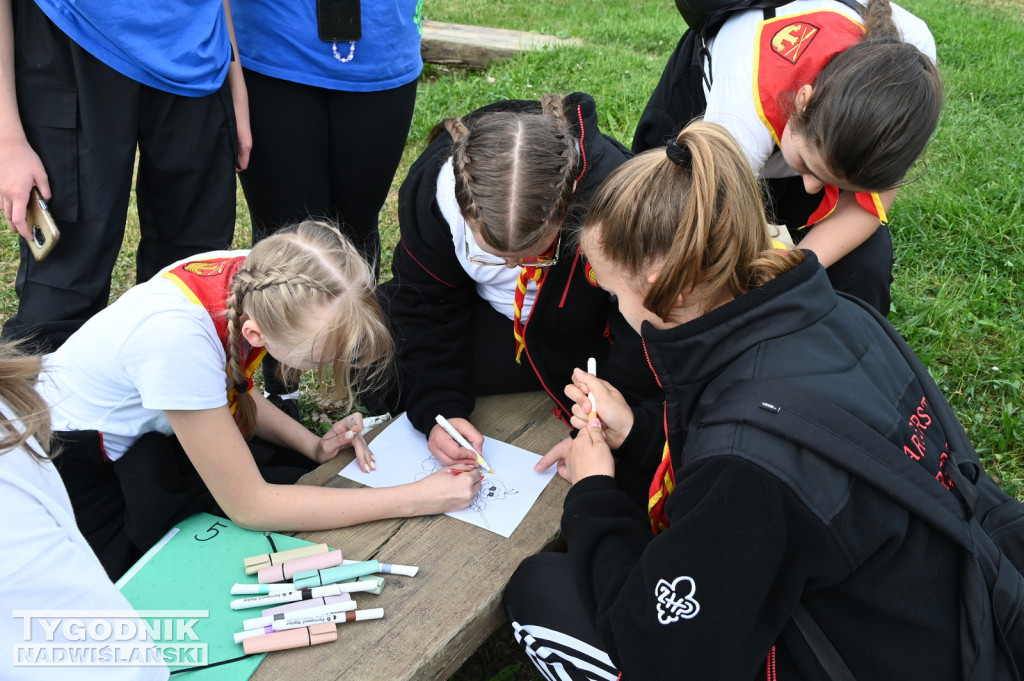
[(192, 569)]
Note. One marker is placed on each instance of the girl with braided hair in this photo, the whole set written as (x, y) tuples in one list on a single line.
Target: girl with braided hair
[(832, 101), (489, 294), (153, 403)]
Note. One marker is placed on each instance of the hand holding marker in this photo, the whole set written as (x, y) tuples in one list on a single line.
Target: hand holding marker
[(463, 442)]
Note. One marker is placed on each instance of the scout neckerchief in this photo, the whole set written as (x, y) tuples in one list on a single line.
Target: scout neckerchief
[(662, 485), (526, 275), (789, 53), (208, 283)]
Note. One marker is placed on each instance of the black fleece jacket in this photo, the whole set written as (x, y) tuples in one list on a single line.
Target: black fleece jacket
[(430, 292), (711, 596)]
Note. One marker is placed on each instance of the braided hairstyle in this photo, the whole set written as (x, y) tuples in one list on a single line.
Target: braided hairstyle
[(288, 275), (874, 106), (693, 209), (514, 173)]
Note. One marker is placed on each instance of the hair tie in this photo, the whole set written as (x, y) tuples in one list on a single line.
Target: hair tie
[(243, 386), (681, 156)]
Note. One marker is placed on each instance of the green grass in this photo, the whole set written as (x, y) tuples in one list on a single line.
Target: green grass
[(958, 226)]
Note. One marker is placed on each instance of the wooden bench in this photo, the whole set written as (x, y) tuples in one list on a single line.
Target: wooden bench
[(434, 621), (476, 46)]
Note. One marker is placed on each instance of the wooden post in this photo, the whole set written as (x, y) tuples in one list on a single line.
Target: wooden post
[(476, 46)]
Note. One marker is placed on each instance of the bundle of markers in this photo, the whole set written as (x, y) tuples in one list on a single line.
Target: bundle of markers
[(306, 610)]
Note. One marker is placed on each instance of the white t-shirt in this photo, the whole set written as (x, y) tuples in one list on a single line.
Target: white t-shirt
[(731, 97), (152, 350), (496, 285), (46, 564)]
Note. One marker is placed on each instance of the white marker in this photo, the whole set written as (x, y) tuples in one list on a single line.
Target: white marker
[(298, 623), (260, 589), (333, 609), (463, 442), (592, 370), (302, 594), (374, 421)]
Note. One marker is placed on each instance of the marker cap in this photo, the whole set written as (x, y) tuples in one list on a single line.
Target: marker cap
[(254, 564), (279, 573), (313, 578)]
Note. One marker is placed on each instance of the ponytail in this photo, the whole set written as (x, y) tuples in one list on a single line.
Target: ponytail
[(693, 210)]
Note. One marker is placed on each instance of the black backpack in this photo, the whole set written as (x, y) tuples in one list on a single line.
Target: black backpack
[(986, 522), (679, 96)]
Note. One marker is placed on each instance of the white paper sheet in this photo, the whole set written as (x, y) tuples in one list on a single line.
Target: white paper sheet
[(401, 456)]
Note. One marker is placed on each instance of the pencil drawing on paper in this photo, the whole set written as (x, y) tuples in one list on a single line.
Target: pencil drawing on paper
[(504, 499), (491, 489)]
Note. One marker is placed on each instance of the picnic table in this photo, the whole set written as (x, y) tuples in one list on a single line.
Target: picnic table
[(434, 621)]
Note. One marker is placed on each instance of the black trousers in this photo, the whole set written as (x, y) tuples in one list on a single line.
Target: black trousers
[(492, 358), (124, 507), (86, 121), (678, 98), (548, 620), (325, 154)]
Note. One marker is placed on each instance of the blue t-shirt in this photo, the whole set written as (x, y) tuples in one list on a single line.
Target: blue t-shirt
[(279, 38), (179, 46)]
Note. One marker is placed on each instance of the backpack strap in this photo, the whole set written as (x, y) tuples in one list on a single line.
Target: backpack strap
[(828, 657), (967, 470), (815, 423)]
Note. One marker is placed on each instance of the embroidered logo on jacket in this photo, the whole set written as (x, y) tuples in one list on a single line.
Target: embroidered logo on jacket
[(205, 268), (675, 600), (791, 41)]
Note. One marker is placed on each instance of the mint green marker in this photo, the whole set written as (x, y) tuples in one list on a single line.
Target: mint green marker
[(339, 573)]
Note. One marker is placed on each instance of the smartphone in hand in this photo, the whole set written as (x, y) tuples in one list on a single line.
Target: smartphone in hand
[(45, 234)]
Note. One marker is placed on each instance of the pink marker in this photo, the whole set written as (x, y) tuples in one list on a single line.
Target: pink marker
[(284, 571), (292, 638)]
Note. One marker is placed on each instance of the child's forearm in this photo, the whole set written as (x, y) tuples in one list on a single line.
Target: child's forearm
[(303, 507), (276, 427)]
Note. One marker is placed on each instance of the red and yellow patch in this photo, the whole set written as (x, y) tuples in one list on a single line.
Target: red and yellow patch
[(205, 268), (791, 40)]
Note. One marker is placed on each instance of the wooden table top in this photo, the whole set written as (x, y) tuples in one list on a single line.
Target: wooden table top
[(434, 621)]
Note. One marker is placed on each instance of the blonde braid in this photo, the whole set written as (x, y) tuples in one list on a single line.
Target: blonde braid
[(306, 268), (245, 413)]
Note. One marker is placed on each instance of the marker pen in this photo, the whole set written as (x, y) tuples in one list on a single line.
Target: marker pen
[(292, 638), (592, 369), (314, 578), (301, 594), (463, 442), (299, 606), (267, 620), (376, 579), (260, 589), (279, 573), (254, 564), (337, 618), (374, 421)]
